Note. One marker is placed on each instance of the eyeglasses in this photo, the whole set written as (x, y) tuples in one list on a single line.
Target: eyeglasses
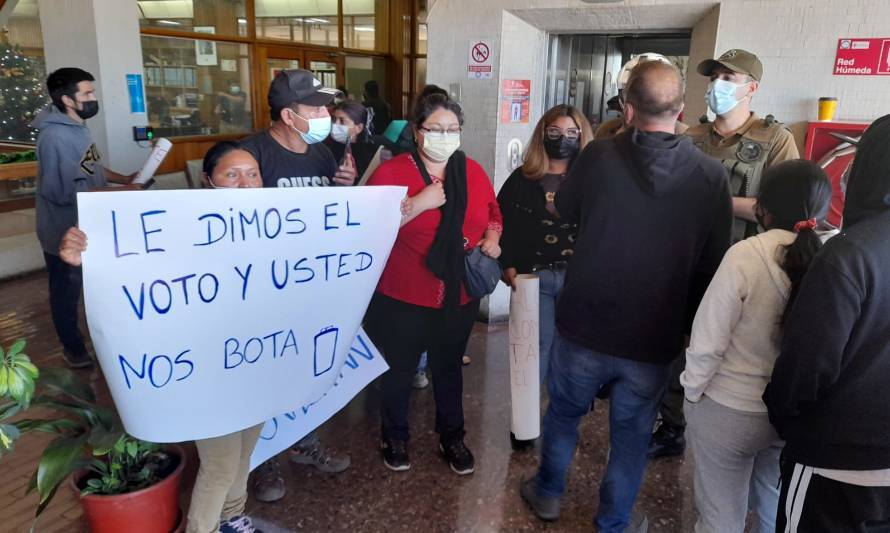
[(554, 132), (439, 132)]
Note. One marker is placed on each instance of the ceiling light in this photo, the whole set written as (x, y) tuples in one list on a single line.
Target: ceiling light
[(170, 22), (363, 28), (319, 21)]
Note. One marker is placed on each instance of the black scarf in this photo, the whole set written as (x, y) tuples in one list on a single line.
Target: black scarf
[(446, 257)]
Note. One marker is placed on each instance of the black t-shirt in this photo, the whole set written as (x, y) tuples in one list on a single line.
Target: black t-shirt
[(282, 168)]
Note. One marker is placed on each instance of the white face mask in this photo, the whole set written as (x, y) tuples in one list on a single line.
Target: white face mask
[(438, 147), (340, 133), (319, 129)]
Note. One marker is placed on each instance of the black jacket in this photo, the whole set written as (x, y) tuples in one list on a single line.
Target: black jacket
[(655, 215), (523, 207), (829, 396)]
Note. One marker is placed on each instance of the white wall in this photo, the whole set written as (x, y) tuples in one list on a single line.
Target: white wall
[(101, 37)]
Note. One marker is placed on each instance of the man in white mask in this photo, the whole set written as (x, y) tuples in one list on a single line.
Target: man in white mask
[(291, 154), (747, 145)]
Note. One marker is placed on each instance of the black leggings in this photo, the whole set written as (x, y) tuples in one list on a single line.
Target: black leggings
[(402, 331)]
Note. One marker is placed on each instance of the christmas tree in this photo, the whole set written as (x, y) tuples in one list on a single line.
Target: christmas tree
[(22, 93)]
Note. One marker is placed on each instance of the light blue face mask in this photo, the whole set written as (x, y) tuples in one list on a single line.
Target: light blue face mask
[(319, 129), (721, 96)]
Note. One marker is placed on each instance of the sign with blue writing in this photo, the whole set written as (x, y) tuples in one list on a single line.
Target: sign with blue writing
[(363, 364), (137, 93), (215, 310)]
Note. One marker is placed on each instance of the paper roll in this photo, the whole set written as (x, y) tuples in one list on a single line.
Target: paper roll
[(157, 155), (525, 387)]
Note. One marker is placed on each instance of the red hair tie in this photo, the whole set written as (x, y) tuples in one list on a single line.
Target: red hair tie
[(805, 224)]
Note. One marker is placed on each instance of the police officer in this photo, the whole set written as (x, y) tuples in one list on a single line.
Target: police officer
[(747, 145)]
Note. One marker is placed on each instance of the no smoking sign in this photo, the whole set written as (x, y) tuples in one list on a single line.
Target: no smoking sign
[(479, 62)]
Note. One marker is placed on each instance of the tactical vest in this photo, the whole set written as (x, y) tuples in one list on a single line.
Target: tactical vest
[(744, 161)]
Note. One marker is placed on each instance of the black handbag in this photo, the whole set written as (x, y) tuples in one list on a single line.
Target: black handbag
[(481, 273)]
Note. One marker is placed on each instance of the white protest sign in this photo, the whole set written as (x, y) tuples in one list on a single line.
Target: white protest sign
[(363, 364), (212, 311), (525, 376)]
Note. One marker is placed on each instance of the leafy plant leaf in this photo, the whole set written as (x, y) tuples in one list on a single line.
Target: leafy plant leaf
[(59, 459), (9, 410), (8, 435), (102, 439), (60, 425), (16, 347), (67, 382)]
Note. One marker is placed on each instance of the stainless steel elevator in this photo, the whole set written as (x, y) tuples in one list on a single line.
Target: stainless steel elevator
[(583, 69)]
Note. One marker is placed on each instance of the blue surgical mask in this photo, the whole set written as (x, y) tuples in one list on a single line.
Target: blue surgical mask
[(721, 96), (319, 129)]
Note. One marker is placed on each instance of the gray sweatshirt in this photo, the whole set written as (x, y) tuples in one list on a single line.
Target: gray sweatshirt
[(68, 162)]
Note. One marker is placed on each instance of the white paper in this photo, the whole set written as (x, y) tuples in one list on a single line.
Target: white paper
[(191, 350), (363, 364), (525, 387), (155, 158)]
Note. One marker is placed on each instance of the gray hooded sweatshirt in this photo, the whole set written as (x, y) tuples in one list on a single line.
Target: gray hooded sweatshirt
[(68, 162)]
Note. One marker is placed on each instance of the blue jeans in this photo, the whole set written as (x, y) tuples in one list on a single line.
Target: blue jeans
[(576, 374), (550, 286)]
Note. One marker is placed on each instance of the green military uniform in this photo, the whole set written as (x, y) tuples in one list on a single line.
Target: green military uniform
[(746, 154)]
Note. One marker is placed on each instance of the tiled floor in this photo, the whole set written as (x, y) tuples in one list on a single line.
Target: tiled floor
[(368, 497)]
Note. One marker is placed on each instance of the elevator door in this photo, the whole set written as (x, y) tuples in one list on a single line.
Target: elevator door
[(583, 69)]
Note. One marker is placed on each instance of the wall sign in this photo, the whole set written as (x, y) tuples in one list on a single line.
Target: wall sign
[(479, 64), (515, 97), (862, 57), (136, 92)]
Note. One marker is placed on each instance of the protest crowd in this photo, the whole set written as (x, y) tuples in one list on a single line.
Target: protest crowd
[(692, 288)]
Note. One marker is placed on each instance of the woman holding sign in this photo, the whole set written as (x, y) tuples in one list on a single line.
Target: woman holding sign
[(220, 491), (421, 303), (535, 239)]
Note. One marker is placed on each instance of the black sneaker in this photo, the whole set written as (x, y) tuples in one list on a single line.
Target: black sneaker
[(667, 441), (77, 358), (459, 457), (395, 455)]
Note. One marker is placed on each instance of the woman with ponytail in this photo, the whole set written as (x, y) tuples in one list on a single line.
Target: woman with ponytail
[(734, 344)]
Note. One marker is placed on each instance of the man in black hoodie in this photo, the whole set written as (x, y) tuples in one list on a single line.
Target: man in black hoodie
[(654, 217), (829, 396)]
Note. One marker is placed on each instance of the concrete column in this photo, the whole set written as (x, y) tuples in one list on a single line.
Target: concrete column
[(101, 37)]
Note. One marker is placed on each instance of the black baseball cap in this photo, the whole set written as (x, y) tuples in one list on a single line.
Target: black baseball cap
[(298, 86)]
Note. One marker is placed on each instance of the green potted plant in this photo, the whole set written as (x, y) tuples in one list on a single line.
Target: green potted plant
[(125, 484)]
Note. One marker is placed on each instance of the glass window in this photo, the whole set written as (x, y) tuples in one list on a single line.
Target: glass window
[(196, 87), (421, 26), (223, 17), (302, 21), (362, 69), (365, 24), (22, 89), (419, 73)]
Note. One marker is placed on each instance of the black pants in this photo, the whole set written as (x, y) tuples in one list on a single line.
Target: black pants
[(65, 285), (671, 409), (815, 504), (403, 331)]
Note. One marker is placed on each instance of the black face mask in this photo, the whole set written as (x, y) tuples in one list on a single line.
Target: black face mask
[(90, 108), (561, 148)]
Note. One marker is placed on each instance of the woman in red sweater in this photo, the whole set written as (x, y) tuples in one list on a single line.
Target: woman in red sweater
[(421, 303)]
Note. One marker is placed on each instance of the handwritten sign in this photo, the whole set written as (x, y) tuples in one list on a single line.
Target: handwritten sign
[(363, 364), (212, 311), (525, 388)]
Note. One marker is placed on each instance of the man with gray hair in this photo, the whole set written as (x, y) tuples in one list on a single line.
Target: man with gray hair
[(654, 217)]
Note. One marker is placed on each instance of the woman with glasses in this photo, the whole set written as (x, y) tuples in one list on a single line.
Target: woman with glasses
[(421, 303), (535, 240), (220, 492)]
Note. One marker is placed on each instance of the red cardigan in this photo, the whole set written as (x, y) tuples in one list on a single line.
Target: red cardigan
[(406, 277)]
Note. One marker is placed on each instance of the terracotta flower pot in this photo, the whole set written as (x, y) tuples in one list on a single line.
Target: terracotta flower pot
[(154, 509)]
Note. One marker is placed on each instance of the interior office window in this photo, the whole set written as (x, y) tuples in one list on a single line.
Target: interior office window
[(421, 44), (361, 69), (196, 87), (223, 17), (22, 74), (302, 21), (365, 24)]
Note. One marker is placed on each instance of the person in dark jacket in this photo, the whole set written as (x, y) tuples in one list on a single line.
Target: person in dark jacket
[(381, 113), (654, 217), (828, 396), (535, 239)]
